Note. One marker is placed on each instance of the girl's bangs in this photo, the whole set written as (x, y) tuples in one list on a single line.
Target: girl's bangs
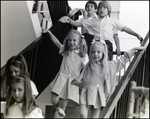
[(16, 64), (18, 80), (104, 4)]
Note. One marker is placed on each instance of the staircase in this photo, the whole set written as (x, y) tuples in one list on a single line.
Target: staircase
[(72, 111), (42, 56)]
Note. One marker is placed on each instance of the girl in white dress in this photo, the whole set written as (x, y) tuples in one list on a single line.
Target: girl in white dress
[(74, 52), (19, 101), (99, 79)]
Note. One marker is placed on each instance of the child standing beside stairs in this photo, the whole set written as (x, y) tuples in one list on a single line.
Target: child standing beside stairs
[(99, 79)]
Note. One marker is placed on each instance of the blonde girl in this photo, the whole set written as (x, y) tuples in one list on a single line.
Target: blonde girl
[(90, 26), (20, 102), (99, 79), (74, 52), (89, 23)]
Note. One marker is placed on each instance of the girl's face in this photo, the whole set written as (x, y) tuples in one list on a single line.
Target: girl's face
[(14, 71), (97, 54), (73, 41), (102, 11), (90, 8), (18, 91)]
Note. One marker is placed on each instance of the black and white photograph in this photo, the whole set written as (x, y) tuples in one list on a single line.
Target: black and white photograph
[(75, 59)]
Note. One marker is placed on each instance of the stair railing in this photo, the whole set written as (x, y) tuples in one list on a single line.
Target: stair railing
[(119, 98), (42, 55), (134, 92)]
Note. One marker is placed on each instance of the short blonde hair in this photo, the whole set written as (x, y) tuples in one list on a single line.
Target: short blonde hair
[(105, 4)]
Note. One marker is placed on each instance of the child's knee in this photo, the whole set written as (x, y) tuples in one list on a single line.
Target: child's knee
[(55, 99)]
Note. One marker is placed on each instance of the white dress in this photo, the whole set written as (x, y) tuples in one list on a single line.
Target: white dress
[(95, 87), (70, 69), (16, 112), (33, 88)]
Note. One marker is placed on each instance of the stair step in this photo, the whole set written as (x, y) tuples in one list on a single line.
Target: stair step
[(71, 112)]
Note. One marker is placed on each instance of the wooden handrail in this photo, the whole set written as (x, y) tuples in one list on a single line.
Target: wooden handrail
[(107, 111)]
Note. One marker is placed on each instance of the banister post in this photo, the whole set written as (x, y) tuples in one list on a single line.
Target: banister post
[(134, 92), (131, 100)]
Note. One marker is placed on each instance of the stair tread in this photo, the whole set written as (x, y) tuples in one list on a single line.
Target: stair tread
[(71, 112)]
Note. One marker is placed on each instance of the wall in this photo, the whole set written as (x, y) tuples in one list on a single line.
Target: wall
[(17, 28), (115, 6), (135, 15)]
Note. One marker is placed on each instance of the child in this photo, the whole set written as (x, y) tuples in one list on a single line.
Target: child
[(15, 66), (74, 52), (90, 25), (99, 79), (20, 102), (108, 26)]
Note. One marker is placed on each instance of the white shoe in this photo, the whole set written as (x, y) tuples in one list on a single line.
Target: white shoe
[(61, 111)]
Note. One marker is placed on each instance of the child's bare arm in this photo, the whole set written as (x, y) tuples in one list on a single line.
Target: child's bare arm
[(121, 62), (117, 42), (139, 48), (53, 38), (131, 32), (66, 19)]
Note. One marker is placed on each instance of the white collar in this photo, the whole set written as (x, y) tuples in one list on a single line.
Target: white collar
[(106, 17)]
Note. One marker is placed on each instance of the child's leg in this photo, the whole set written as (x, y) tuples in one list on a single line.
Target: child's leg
[(95, 113), (63, 104), (84, 111), (55, 99), (110, 50), (60, 112)]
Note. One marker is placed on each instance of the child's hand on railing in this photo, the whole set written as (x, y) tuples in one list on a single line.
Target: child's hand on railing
[(140, 38), (118, 52), (139, 48)]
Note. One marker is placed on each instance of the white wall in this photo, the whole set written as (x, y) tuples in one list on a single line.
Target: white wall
[(17, 30), (135, 15)]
